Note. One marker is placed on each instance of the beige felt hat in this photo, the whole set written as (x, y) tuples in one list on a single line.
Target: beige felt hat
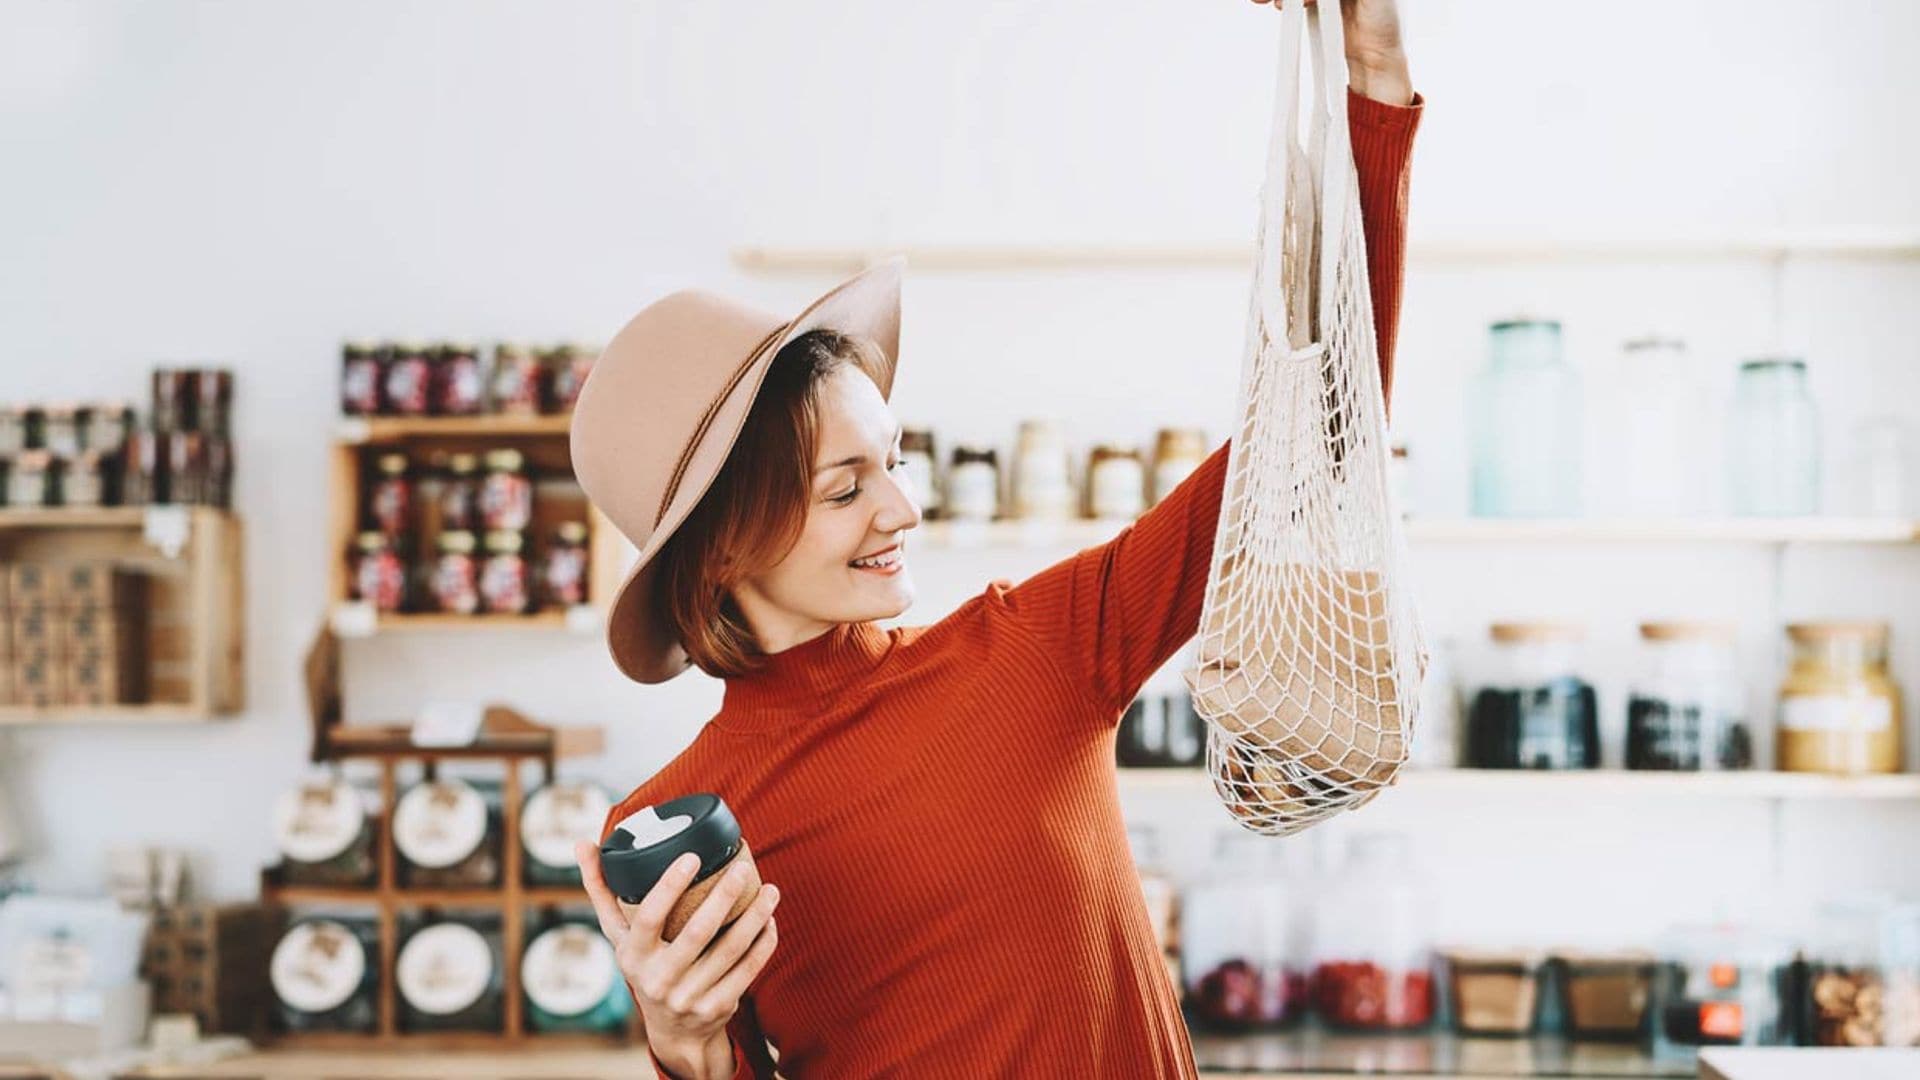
[(661, 410)]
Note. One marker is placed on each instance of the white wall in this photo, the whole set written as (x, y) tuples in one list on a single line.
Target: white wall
[(251, 183)]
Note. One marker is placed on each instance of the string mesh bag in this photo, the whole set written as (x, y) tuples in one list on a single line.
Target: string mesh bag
[(1310, 655)]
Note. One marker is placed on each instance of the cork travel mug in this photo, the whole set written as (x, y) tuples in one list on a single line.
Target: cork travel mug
[(641, 849)]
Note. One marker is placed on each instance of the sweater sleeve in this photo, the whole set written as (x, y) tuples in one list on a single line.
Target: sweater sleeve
[(1114, 614)]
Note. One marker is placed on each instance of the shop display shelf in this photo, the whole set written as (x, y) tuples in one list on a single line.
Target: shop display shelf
[(192, 559), (1754, 784), (376, 430)]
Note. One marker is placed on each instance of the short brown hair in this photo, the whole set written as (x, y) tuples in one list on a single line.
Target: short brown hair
[(754, 512)]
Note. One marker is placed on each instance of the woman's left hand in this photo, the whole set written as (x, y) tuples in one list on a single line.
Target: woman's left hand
[(1376, 56)]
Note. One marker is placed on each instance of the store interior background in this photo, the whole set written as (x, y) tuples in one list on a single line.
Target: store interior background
[(250, 184)]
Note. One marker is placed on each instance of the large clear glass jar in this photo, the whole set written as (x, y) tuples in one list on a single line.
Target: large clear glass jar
[(1773, 452), (1839, 708), (1646, 443), (1373, 945), (1534, 709), (1720, 986), (1846, 1003), (1042, 473), (1524, 422), (1240, 938), (1687, 710)]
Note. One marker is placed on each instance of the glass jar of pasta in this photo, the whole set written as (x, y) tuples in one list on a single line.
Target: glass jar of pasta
[(1839, 708)]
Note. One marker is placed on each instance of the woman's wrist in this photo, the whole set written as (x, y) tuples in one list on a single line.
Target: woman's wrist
[(1382, 77), (712, 1060)]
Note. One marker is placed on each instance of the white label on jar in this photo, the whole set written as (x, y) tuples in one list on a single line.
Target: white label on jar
[(444, 968), (317, 821), (568, 970), (559, 814), (1117, 488), (440, 823), (973, 490), (317, 966), (1835, 713)]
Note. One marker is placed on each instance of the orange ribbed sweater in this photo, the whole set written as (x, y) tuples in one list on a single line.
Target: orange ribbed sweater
[(938, 804)]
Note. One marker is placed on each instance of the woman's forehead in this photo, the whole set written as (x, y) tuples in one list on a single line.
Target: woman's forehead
[(854, 419)]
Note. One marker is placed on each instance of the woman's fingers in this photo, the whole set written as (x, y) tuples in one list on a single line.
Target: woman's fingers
[(694, 937), (649, 918), (713, 964), (607, 909), (726, 993)]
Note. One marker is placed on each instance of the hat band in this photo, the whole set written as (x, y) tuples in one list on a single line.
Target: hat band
[(706, 421)]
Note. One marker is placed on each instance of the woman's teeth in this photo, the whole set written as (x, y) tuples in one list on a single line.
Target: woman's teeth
[(880, 562)]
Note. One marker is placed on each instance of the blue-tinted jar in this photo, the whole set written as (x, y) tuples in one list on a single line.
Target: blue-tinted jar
[(1524, 420), (1773, 456)]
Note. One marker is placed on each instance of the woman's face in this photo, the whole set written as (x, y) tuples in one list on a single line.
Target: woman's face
[(849, 564)]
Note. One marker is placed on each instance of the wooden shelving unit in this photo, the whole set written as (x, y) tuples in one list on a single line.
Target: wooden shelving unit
[(1597, 783), (192, 557)]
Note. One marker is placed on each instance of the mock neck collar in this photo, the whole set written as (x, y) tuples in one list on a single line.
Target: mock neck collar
[(805, 677)]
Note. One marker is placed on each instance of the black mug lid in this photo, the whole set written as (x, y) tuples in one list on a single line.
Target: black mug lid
[(714, 835)]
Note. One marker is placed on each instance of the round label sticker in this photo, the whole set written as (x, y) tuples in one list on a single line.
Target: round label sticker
[(317, 966), (439, 823), (444, 968), (559, 814), (569, 970), (318, 820)]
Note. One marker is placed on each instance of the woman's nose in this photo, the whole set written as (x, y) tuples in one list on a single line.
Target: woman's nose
[(898, 509)]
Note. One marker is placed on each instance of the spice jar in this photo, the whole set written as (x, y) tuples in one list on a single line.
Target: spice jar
[(567, 370), (324, 977), (407, 380), (918, 456), (1839, 708), (459, 494), (361, 379), (390, 501), (1373, 966), (324, 834), (1116, 484), (379, 578), (1604, 995), (503, 577), (1240, 938), (554, 817), (449, 975), (1042, 473), (515, 389), (60, 430), (447, 833), (1534, 711), (34, 479), (973, 485), (1494, 993), (107, 427), (1176, 453), (1719, 986), (506, 494), (1687, 709), (456, 574), (458, 388), (563, 570), (572, 980)]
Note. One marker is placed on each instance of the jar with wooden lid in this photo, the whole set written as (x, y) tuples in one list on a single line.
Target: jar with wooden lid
[(973, 485), (1042, 473), (1176, 453), (1687, 709), (1116, 483), (455, 584), (1839, 708), (1535, 709)]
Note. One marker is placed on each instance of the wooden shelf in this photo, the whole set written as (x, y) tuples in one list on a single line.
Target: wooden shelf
[(404, 898), (1756, 784), (271, 1061), (159, 713), (370, 430)]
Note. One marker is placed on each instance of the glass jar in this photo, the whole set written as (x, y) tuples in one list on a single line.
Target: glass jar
[(1373, 949), (390, 500), (142, 469), (506, 493), (515, 388), (1161, 730), (13, 430), (447, 835), (1900, 965), (1604, 996), (90, 480), (1687, 709), (1773, 455), (1880, 473), (973, 485), (60, 430), (1839, 708), (1042, 473), (456, 575), (568, 369), (503, 577), (448, 975), (563, 569), (362, 376), (1846, 993), (379, 577), (1494, 993), (1176, 453), (572, 980), (213, 402), (458, 388), (324, 976), (1524, 424), (1719, 986), (1647, 443), (917, 454), (172, 400), (555, 816), (33, 479), (185, 469), (1240, 938), (1535, 711), (324, 834), (1116, 484), (407, 380), (459, 496), (108, 426)]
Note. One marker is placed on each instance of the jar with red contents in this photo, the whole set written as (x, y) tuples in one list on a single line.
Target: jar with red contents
[(361, 377), (458, 387), (516, 388), (1241, 939), (503, 577), (456, 574), (563, 572), (506, 494), (1373, 948), (408, 380), (379, 577), (460, 493), (568, 366), (390, 500)]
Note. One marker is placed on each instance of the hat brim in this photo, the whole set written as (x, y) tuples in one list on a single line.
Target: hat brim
[(866, 305)]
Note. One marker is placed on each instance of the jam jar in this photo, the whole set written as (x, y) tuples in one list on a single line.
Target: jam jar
[(554, 817), (407, 380), (563, 569), (515, 388), (458, 387), (459, 495), (1116, 484), (1687, 709), (324, 834), (324, 976), (390, 500), (1839, 707), (506, 493), (1373, 966), (568, 367), (503, 576), (447, 834), (362, 376), (449, 975), (456, 574), (572, 980), (1241, 938), (1535, 710), (108, 426), (379, 577)]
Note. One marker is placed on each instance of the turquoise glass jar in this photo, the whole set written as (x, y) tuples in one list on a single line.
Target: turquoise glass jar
[(1524, 420)]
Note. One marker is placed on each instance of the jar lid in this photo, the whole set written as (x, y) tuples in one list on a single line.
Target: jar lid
[(569, 970), (573, 532), (318, 820), (371, 540), (359, 345), (1762, 363), (507, 460), (1653, 342), (439, 823), (509, 348), (1514, 632), (648, 841), (410, 345), (1867, 630), (460, 347), (456, 541), (392, 464), (558, 815), (963, 455), (920, 439), (1108, 452), (505, 542), (1688, 630), (317, 965), (444, 968), (462, 462)]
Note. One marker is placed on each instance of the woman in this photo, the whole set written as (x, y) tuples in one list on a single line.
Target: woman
[(934, 808)]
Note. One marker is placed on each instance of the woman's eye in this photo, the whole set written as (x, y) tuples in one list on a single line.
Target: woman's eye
[(842, 500)]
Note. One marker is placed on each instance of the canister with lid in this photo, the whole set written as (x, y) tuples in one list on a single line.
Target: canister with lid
[(555, 817), (1839, 707), (1534, 710), (572, 980), (1116, 483), (1720, 986), (449, 975), (504, 576), (324, 976), (1687, 709), (973, 485), (456, 574), (324, 834), (516, 387), (506, 492), (1042, 473), (563, 569), (647, 842), (1241, 938), (447, 834)]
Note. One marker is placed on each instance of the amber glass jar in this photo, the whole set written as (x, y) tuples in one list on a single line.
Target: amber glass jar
[(1839, 708)]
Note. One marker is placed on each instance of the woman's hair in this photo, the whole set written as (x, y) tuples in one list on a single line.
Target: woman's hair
[(754, 512)]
